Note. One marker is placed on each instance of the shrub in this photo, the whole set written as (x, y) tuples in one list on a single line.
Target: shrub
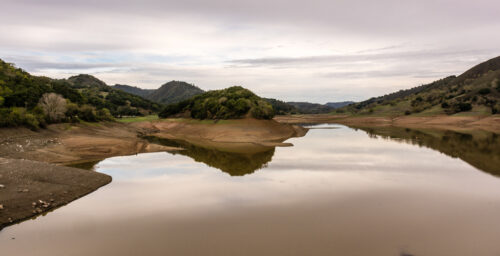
[(31, 121), (484, 91), (104, 115), (87, 113), (461, 107), (445, 105)]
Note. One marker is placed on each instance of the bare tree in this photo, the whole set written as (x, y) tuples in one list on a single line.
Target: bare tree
[(53, 105)]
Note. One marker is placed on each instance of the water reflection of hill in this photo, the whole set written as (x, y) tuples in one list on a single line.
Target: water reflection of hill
[(235, 164), (478, 148)]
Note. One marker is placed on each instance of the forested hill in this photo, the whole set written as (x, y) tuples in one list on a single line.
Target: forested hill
[(476, 91), (340, 104), (231, 103), (81, 97), (133, 90), (176, 91), (168, 93), (310, 108), (120, 103), (173, 92)]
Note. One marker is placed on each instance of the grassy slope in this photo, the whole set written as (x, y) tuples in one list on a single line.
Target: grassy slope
[(475, 92), (138, 119)]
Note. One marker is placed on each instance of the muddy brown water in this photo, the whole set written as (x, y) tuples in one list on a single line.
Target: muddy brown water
[(383, 191)]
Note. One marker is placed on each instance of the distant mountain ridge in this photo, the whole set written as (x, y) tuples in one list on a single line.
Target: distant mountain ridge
[(310, 108), (133, 90), (101, 95), (340, 104), (173, 92), (168, 93), (284, 108), (177, 91)]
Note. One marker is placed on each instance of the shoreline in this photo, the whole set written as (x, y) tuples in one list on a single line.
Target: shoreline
[(454, 123), (37, 156), (31, 188), (35, 181)]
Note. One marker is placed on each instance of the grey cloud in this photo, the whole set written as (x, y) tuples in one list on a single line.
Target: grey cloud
[(36, 64), (352, 58), (383, 16), (386, 73)]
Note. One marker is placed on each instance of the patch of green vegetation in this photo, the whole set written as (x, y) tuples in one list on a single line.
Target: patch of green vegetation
[(79, 98), (173, 92), (134, 119), (281, 107), (231, 103), (96, 93)]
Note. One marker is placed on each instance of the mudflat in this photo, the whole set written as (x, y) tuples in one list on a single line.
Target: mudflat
[(73, 143), (455, 123), (29, 188)]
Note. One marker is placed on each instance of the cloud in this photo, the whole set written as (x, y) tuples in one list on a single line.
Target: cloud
[(429, 55), (319, 50)]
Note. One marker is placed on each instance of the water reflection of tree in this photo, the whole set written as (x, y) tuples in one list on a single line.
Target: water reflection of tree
[(478, 148), (235, 164)]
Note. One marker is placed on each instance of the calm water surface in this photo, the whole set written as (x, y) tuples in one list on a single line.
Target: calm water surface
[(335, 192)]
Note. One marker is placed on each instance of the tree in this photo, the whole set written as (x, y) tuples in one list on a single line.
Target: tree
[(53, 105)]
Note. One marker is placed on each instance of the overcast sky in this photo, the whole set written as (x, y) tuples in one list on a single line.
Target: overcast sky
[(315, 50)]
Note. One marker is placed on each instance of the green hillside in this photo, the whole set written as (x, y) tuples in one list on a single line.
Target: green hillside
[(133, 90), (475, 92), (120, 103), (173, 92), (281, 107), (310, 108), (80, 97), (233, 102)]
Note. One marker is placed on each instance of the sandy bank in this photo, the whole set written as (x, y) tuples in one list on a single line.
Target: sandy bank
[(30, 188), (65, 144), (242, 135), (455, 123)]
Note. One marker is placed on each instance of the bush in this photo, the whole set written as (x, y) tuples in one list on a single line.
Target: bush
[(461, 107), (14, 117), (484, 91), (104, 115), (445, 105), (87, 113), (31, 121)]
